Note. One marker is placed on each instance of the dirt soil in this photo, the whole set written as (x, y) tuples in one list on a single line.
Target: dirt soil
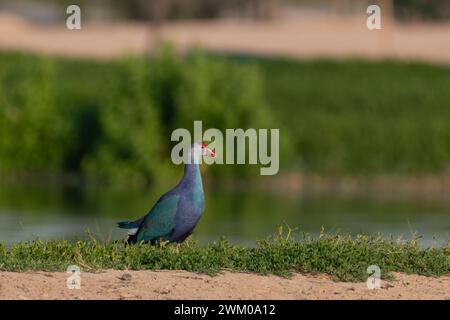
[(294, 36), (112, 284)]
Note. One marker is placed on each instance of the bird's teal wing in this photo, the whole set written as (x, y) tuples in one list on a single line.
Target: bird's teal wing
[(161, 219)]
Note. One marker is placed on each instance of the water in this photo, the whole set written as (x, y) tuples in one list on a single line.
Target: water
[(27, 213)]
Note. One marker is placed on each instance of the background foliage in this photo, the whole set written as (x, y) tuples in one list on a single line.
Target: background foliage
[(111, 121)]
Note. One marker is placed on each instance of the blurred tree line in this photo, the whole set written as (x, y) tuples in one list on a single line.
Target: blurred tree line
[(161, 10), (156, 10), (410, 10)]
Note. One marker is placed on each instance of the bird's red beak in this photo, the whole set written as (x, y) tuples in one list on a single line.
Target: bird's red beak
[(211, 153)]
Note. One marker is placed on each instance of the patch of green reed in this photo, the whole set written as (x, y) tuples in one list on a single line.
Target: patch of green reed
[(342, 257)]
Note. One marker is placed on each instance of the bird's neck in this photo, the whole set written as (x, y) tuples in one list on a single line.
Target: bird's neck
[(192, 176), (191, 171)]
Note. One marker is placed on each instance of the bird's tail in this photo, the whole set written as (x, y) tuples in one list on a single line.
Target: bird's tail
[(127, 224), (131, 226)]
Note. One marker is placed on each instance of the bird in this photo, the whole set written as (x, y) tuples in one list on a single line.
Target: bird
[(177, 212)]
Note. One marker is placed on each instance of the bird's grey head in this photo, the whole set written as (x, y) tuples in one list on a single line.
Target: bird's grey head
[(200, 149)]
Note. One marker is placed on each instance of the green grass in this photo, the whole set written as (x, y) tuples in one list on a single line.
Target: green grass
[(340, 256)]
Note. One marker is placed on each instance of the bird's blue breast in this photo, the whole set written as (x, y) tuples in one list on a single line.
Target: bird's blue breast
[(190, 206), (197, 193)]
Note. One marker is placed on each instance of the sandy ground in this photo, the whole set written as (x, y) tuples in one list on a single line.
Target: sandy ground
[(296, 36), (113, 284)]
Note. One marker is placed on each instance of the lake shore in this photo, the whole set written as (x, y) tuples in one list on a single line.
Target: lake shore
[(113, 284)]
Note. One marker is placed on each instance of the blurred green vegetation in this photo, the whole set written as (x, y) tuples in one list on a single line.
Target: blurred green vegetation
[(111, 121), (34, 130), (357, 117), (408, 10)]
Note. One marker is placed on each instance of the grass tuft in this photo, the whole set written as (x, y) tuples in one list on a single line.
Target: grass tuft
[(343, 257)]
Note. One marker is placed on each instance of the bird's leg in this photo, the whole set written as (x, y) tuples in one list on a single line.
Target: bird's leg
[(177, 248)]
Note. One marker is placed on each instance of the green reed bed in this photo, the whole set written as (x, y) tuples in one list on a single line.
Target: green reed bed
[(112, 120)]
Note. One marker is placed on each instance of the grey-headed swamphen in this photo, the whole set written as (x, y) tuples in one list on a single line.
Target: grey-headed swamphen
[(177, 212)]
